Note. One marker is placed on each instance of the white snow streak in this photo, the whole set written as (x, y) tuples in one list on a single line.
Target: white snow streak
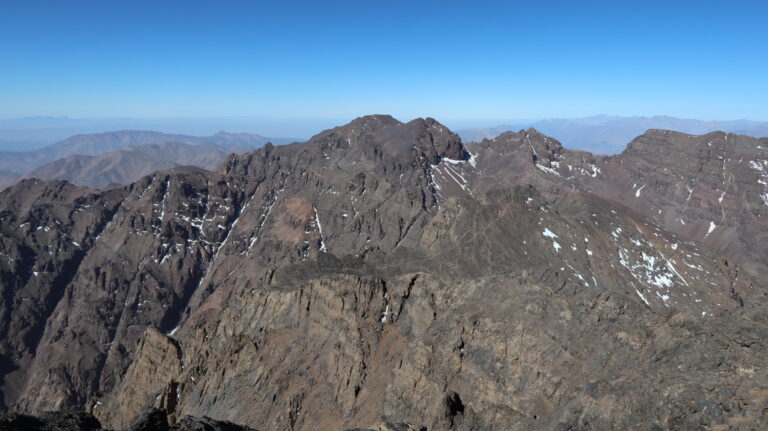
[(319, 230)]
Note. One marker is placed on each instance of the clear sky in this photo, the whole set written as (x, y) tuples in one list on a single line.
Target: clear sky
[(325, 59)]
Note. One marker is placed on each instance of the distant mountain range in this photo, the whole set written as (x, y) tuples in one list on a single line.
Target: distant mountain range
[(99, 159), (605, 134), (31, 133), (128, 164)]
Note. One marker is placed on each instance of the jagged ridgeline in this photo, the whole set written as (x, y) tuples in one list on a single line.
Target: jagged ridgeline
[(386, 272)]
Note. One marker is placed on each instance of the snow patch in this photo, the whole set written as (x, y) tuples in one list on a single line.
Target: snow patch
[(642, 297), (548, 233), (547, 170), (385, 315), (319, 230)]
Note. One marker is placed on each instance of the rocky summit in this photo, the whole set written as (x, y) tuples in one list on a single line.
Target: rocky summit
[(386, 276)]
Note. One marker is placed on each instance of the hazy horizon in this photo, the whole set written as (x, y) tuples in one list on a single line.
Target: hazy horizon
[(601, 133)]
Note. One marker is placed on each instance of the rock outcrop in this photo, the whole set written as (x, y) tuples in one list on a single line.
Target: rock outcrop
[(51, 421), (147, 420)]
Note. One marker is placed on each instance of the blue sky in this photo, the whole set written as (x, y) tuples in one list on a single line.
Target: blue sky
[(322, 59)]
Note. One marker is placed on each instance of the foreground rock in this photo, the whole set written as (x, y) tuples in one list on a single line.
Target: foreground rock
[(389, 426), (157, 420), (51, 421), (148, 420)]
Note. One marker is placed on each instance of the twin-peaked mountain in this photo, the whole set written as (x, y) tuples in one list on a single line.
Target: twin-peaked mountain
[(386, 270)]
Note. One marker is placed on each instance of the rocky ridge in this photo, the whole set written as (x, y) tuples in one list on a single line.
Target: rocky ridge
[(384, 271)]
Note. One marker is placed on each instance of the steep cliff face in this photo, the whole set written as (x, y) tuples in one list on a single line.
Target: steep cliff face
[(47, 231), (96, 268), (157, 363), (382, 271)]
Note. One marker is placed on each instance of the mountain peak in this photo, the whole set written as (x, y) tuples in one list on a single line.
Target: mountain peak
[(533, 131), (374, 121)]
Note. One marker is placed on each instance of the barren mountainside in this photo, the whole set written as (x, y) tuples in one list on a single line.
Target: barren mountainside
[(387, 272)]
